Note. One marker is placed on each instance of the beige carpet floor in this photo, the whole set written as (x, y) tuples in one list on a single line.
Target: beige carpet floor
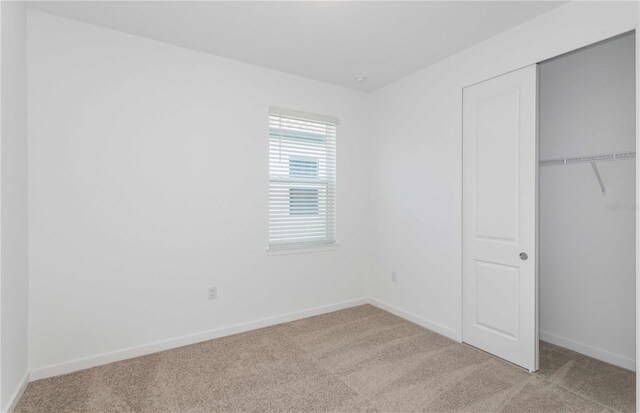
[(360, 359)]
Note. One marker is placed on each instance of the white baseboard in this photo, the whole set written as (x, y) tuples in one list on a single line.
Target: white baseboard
[(431, 325), (596, 353), (88, 362), (100, 359), (17, 394)]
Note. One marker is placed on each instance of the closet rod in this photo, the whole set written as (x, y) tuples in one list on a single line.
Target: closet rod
[(592, 159), (614, 156)]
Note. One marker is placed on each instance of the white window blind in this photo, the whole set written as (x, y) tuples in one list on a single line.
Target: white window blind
[(302, 179)]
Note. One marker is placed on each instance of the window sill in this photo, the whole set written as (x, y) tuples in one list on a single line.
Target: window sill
[(303, 250)]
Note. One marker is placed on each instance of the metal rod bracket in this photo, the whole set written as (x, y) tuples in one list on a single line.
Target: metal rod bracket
[(595, 170)]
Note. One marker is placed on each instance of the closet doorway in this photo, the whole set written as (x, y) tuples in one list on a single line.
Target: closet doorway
[(567, 287), (587, 207)]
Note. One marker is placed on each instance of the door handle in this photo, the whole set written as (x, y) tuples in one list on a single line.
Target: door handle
[(523, 256)]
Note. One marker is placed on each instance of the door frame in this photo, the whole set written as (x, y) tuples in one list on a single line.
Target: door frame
[(554, 50)]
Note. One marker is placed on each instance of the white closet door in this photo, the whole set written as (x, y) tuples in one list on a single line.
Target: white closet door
[(499, 216)]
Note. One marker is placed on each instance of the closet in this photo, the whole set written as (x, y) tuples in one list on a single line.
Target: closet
[(549, 211), (587, 205)]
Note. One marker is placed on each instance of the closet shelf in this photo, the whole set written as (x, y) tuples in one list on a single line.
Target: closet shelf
[(592, 159), (615, 156)]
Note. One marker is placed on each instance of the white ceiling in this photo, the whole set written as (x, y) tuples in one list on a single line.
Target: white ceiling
[(330, 41)]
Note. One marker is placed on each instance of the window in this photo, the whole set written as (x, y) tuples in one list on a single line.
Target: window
[(302, 179)]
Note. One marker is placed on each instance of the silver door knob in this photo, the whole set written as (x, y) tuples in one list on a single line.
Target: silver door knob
[(523, 256)]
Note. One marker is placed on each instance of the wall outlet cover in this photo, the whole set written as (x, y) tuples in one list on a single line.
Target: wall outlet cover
[(213, 293)]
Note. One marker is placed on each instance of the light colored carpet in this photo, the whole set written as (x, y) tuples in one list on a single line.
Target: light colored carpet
[(360, 359)]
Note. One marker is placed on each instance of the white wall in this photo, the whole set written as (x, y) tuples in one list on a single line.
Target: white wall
[(417, 161), (13, 203), (148, 180), (587, 238)]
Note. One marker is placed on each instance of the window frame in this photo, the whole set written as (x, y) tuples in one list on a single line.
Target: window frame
[(330, 183)]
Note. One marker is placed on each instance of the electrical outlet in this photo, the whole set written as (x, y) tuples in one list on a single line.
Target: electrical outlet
[(394, 276), (213, 293)]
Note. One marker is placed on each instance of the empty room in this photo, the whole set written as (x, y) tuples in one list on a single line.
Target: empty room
[(319, 206)]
